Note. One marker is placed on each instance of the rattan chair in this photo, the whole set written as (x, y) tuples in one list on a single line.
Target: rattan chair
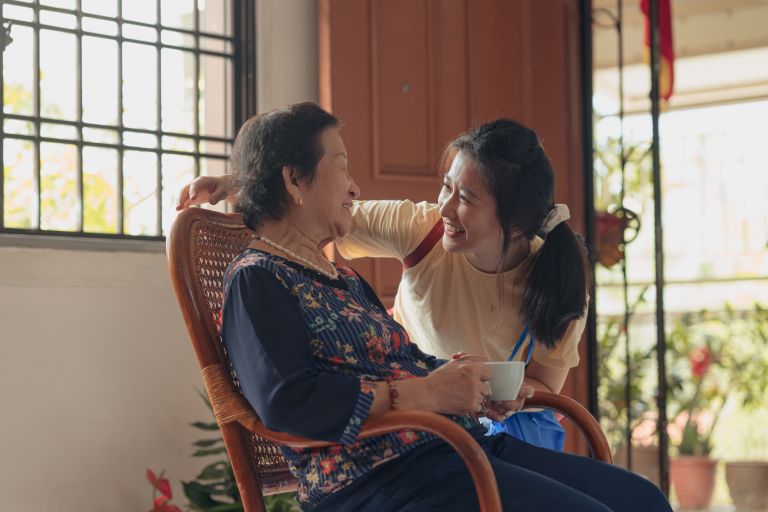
[(200, 246)]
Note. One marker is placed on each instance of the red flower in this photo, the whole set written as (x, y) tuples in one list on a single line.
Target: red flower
[(398, 374), (328, 465), (407, 436), (164, 507), (700, 358), (377, 350), (397, 341), (160, 484), (160, 504)]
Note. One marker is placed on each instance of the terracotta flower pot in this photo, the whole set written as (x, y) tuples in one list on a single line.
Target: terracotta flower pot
[(694, 480), (645, 461), (748, 484)]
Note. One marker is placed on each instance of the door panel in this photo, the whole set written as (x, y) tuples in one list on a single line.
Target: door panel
[(401, 82)]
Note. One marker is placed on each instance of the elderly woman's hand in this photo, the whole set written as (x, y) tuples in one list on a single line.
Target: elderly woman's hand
[(501, 410), (463, 356), (458, 387)]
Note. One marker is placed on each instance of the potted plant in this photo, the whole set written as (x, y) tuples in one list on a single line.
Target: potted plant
[(214, 489), (748, 479), (747, 482), (613, 410), (613, 398), (692, 471), (726, 365)]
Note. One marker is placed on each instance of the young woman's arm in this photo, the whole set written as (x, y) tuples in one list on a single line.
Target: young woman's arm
[(545, 378), (387, 228)]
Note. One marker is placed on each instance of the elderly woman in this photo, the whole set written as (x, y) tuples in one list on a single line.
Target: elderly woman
[(316, 353)]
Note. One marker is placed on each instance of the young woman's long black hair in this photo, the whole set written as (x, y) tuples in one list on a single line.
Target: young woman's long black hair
[(517, 171)]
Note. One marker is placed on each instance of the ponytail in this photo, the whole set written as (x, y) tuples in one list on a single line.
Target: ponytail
[(556, 286)]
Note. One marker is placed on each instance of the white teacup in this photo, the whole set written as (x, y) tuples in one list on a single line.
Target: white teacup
[(506, 379)]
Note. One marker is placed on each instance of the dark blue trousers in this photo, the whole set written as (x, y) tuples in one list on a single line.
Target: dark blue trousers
[(434, 478)]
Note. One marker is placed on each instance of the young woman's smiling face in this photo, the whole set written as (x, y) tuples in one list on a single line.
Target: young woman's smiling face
[(468, 211)]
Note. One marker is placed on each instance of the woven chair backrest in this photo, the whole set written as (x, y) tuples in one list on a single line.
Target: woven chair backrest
[(210, 241)]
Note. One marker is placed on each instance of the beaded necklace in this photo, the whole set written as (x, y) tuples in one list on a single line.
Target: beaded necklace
[(304, 261)]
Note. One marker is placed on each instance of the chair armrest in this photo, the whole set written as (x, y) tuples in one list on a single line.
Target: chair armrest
[(229, 406), (473, 456), (579, 416)]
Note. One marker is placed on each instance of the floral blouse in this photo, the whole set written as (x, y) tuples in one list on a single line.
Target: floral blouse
[(307, 350)]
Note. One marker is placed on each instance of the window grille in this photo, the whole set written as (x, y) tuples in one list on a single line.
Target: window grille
[(110, 106)]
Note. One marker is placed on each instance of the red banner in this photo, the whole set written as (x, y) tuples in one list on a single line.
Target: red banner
[(666, 48)]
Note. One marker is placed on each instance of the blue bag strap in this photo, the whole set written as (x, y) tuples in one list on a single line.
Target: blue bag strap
[(519, 344)]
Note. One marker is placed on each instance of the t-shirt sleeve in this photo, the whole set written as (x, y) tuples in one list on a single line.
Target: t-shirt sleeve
[(267, 343), (565, 354), (387, 229)]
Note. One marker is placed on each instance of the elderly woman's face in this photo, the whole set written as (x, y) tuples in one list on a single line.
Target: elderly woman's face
[(328, 200)]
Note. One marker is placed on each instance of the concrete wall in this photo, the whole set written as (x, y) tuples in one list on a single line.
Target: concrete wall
[(97, 376)]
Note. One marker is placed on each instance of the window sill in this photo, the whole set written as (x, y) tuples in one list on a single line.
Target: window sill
[(80, 243)]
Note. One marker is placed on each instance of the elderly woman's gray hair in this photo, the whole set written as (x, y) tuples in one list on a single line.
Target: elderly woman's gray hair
[(264, 145)]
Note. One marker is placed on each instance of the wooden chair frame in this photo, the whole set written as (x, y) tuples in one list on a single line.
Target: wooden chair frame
[(200, 246)]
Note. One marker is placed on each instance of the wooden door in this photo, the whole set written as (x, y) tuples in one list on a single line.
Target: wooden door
[(407, 76)]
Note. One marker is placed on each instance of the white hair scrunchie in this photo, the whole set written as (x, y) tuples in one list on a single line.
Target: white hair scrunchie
[(556, 215)]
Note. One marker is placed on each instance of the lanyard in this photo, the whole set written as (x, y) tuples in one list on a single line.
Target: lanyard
[(520, 344)]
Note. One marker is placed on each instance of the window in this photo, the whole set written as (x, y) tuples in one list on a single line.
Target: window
[(110, 106), (715, 233)]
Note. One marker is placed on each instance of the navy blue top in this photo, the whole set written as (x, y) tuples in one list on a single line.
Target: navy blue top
[(306, 350)]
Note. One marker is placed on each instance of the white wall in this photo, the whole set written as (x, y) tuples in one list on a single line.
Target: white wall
[(97, 375), (286, 48), (98, 380)]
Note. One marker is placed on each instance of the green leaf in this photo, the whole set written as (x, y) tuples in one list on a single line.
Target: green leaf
[(205, 426), (223, 464), (223, 494), (227, 507), (209, 451), (205, 398), (204, 443), (198, 495), (285, 502), (212, 473)]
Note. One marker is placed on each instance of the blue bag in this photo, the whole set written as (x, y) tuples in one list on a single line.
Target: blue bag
[(539, 428)]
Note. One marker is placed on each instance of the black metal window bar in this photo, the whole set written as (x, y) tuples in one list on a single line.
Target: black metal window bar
[(146, 149), (630, 221)]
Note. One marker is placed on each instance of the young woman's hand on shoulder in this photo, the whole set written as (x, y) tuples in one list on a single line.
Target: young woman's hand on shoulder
[(205, 189)]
